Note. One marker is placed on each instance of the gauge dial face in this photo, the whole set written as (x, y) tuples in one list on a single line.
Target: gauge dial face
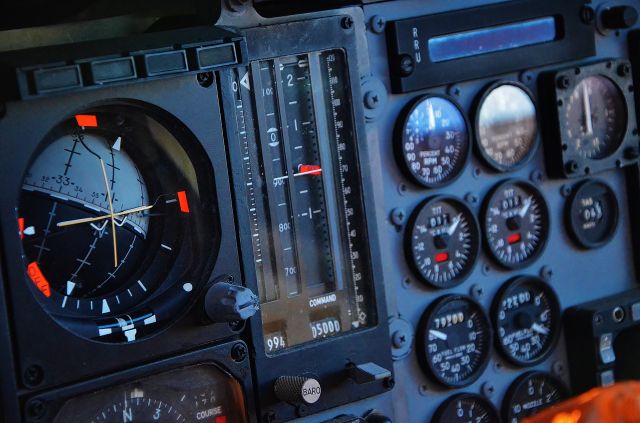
[(104, 214), (531, 393), (593, 214), (506, 125), (526, 316), (596, 117), (435, 141), (443, 241), (140, 409), (463, 408), (455, 340), (516, 223)]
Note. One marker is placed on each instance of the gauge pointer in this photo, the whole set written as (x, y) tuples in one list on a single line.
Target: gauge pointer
[(113, 219), (525, 208), (437, 334), (587, 110), (452, 228), (432, 116), (536, 327), (106, 216)]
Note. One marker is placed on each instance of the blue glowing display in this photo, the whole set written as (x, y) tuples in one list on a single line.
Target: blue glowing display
[(493, 39)]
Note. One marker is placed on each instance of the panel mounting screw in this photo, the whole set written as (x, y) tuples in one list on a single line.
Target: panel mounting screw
[(476, 291), (546, 273), (205, 79), (347, 22), (471, 198), (563, 82), (587, 15), (36, 409), (406, 65), (398, 216), (558, 368), (572, 166), (372, 100), (378, 24), (33, 376), (488, 389), (624, 69), (565, 190), (239, 352)]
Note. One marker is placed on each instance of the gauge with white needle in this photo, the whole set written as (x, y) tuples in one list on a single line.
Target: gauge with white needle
[(526, 316), (443, 241)]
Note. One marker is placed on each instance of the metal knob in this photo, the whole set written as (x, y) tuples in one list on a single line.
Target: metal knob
[(297, 389), (226, 302), (619, 17)]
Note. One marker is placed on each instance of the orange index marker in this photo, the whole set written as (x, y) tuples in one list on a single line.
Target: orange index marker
[(87, 121), (38, 279)]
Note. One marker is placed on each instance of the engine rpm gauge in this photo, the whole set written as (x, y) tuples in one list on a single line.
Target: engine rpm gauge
[(506, 125), (530, 393), (516, 223), (454, 340), (592, 214), (463, 408), (434, 145), (596, 117), (443, 240), (526, 317)]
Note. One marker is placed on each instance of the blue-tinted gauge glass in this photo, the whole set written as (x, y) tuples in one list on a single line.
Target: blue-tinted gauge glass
[(491, 40), (435, 141)]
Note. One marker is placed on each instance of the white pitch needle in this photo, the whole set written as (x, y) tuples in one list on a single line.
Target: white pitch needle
[(437, 334), (587, 110), (536, 327)]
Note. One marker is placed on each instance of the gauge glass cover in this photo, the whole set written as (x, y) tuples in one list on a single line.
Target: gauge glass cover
[(443, 241), (531, 393), (463, 408), (506, 126), (592, 214), (435, 141)]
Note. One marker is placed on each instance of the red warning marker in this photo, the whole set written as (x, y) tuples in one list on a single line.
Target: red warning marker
[(87, 121), (184, 204), (39, 280), (442, 257), (221, 419), (21, 226), (514, 238), (309, 169)]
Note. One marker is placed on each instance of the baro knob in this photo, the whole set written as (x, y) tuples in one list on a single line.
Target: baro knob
[(619, 17), (226, 302), (297, 389)]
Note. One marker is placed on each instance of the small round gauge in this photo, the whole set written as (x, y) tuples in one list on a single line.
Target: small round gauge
[(592, 214), (516, 223), (442, 241), (463, 408), (435, 142), (506, 125), (596, 117), (530, 393), (526, 317), (454, 340)]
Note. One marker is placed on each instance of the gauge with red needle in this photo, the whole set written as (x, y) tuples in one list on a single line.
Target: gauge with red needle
[(516, 223), (102, 218), (442, 241)]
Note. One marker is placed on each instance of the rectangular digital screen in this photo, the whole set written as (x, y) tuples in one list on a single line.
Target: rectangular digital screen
[(493, 39)]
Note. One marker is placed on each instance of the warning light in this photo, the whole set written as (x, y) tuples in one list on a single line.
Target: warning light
[(310, 169), (184, 204), (442, 257), (34, 272), (88, 121), (514, 238), (21, 227)]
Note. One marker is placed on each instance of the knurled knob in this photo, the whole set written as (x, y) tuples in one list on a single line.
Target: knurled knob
[(297, 389)]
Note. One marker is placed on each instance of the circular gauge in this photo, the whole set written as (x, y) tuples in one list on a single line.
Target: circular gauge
[(530, 393), (463, 408), (139, 409), (516, 223), (506, 126), (592, 214), (443, 240), (435, 141), (454, 340), (596, 117), (526, 317), (112, 211)]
